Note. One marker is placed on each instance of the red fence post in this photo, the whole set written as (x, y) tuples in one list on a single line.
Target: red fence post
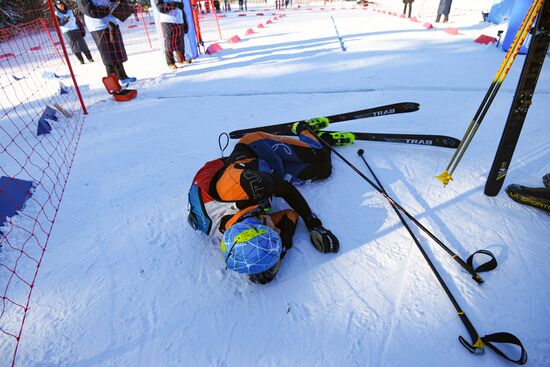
[(144, 24), (216, 16)]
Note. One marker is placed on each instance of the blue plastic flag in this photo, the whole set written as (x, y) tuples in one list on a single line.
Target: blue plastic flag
[(13, 194)]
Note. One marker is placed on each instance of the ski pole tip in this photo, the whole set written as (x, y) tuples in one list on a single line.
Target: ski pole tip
[(444, 177), (360, 151)]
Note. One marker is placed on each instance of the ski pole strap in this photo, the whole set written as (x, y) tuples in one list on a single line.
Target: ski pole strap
[(222, 148), (506, 338), (476, 346), (486, 266)]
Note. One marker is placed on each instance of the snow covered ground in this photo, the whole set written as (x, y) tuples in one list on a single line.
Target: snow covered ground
[(126, 281)]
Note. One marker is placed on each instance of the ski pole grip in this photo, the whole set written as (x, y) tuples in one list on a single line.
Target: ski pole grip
[(506, 338), (486, 266), (469, 269), (476, 346)]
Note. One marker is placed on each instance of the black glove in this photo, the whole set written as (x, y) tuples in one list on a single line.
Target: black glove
[(185, 26), (287, 228), (323, 240)]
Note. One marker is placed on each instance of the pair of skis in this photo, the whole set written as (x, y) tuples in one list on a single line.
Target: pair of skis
[(386, 110)]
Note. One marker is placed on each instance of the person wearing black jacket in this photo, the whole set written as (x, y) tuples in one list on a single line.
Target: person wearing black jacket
[(174, 26), (73, 31), (103, 26)]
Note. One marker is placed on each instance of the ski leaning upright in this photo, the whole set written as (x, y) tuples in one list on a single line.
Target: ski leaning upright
[(286, 127), (522, 100)]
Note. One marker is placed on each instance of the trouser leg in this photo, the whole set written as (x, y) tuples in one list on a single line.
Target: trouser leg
[(169, 56), (120, 72), (79, 57), (110, 69)]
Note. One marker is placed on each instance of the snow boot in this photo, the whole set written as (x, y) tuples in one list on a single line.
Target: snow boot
[(546, 180), (338, 139), (535, 197)]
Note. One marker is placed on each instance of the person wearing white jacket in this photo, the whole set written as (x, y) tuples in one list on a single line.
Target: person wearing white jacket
[(174, 26), (103, 26), (73, 33)]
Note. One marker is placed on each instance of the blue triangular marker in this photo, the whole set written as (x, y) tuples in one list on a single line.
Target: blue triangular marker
[(50, 113), (44, 126), (49, 75), (13, 194), (63, 89)]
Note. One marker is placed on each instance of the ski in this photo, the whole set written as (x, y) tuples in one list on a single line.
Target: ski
[(413, 139), (285, 128), (521, 102)]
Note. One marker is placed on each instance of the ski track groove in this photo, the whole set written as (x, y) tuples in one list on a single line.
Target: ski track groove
[(342, 91), (397, 303)]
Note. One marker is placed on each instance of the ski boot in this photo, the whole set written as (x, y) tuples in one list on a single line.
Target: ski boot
[(314, 125), (128, 80), (535, 197), (338, 139), (546, 180)]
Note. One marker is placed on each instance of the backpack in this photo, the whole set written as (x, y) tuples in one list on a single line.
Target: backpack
[(199, 196)]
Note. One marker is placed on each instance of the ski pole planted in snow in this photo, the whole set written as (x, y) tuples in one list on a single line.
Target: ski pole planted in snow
[(477, 343), (446, 176), (522, 101), (338, 35)]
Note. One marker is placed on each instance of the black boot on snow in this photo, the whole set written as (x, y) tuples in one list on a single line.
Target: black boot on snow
[(536, 197)]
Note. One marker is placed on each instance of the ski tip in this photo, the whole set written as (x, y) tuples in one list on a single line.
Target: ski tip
[(413, 105), (444, 177)]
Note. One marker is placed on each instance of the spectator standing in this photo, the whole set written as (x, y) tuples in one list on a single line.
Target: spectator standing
[(174, 26), (444, 9), (73, 31), (103, 26), (409, 4), (243, 5)]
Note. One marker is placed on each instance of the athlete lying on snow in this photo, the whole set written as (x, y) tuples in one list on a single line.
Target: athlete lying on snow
[(230, 198)]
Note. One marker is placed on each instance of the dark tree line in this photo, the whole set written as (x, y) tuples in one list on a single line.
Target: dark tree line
[(13, 12)]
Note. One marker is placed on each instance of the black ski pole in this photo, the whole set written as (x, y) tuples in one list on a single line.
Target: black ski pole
[(477, 342), (467, 266)]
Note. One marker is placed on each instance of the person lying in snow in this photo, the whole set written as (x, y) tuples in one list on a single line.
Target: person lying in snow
[(230, 197)]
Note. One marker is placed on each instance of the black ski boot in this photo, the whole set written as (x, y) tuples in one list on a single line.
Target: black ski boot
[(536, 197)]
